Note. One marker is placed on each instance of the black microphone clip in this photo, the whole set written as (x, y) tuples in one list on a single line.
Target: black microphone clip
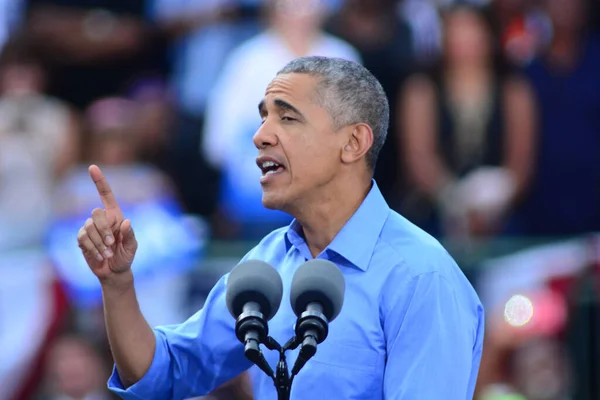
[(251, 329), (311, 329)]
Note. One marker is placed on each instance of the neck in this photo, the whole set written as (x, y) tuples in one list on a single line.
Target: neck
[(327, 215)]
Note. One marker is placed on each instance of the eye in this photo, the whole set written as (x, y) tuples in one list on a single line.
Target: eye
[(285, 118)]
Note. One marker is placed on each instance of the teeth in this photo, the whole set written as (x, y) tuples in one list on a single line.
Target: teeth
[(269, 164), (269, 172)]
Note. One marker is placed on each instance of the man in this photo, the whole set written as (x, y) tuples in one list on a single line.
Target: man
[(411, 326)]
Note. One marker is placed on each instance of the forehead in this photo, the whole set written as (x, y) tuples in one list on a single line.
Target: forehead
[(297, 87)]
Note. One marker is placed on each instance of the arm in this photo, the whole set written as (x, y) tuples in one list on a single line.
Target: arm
[(131, 339), (433, 341), (416, 111), (191, 359), (169, 362), (520, 122)]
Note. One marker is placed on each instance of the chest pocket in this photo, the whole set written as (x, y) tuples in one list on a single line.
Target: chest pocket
[(341, 372), (351, 357)]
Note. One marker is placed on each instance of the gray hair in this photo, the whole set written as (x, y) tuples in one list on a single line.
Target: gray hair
[(350, 93)]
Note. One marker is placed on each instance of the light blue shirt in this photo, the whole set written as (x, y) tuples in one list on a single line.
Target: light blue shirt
[(411, 326)]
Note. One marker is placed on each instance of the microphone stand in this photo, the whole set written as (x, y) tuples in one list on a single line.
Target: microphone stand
[(252, 330), (282, 378)]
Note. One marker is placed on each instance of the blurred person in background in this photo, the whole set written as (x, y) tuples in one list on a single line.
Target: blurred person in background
[(93, 48), (540, 369), (565, 192), (200, 34), (38, 143), (113, 127), (74, 370), (294, 30), (384, 42), (467, 134), (525, 356), (154, 102)]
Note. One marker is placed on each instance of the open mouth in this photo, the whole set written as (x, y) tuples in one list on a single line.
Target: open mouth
[(270, 167)]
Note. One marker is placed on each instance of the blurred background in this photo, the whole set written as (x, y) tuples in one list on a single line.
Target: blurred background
[(493, 147)]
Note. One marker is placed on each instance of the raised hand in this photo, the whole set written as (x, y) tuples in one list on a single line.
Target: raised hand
[(107, 239)]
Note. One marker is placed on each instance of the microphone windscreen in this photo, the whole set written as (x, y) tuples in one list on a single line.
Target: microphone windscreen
[(318, 281), (254, 281)]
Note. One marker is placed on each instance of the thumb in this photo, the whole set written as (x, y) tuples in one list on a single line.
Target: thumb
[(127, 235)]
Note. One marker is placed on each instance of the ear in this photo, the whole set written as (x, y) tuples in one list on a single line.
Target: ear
[(360, 140)]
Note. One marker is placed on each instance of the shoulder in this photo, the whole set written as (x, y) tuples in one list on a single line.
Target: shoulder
[(418, 251), (419, 257), (423, 274)]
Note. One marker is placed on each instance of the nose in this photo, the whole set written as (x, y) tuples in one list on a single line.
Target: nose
[(265, 136)]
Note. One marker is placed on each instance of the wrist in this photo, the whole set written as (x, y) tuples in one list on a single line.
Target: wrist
[(117, 283)]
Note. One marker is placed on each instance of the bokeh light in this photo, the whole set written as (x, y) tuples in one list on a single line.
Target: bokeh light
[(518, 310)]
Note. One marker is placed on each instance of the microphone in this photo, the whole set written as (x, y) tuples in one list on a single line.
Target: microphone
[(316, 296), (254, 292)]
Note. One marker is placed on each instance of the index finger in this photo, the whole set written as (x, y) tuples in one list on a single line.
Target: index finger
[(106, 195)]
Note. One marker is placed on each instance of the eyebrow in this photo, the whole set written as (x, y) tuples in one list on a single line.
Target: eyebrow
[(280, 104)]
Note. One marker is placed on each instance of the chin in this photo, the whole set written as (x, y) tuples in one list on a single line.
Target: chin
[(272, 201)]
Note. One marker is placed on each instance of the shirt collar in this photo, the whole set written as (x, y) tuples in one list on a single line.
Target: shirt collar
[(357, 239)]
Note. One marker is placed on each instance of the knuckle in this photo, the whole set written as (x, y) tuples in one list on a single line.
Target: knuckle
[(89, 224), (97, 213)]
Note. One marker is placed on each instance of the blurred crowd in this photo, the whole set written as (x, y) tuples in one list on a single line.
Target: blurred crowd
[(494, 133)]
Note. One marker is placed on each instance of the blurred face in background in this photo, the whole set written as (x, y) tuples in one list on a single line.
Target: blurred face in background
[(113, 147), (566, 15), (113, 129), (468, 40), (303, 17), (21, 79), (73, 368)]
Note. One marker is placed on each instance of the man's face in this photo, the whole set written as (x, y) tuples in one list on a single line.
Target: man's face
[(299, 152)]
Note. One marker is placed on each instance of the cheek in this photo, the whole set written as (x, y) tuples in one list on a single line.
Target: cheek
[(315, 162)]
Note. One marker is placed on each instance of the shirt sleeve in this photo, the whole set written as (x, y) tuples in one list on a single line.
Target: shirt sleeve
[(434, 341), (193, 358)]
